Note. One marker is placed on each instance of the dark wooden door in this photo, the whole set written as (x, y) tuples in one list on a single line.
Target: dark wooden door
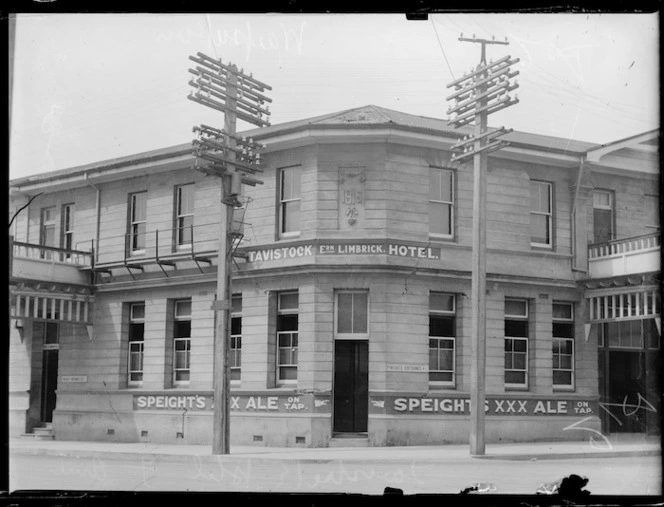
[(627, 392), (351, 386), (49, 384)]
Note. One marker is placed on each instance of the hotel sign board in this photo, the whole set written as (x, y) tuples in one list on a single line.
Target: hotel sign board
[(353, 248)]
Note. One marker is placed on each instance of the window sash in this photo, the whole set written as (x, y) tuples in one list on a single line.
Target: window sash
[(288, 302), (137, 221), (68, 228), (441, 201), (599, 203), (135, 361), (235, 359), (541, 213), (516, 304), (563, 362), (184, 214), (181, 359), (287, 347), (442, 360), (182, 309), (289, 201), (134, 309), (352, 313), (516, 362)]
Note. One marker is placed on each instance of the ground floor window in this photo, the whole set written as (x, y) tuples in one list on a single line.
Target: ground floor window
[(563, 345), (236, 338), (442, 336), (136, 344), (287, 337), (182, 342), (516, 343)]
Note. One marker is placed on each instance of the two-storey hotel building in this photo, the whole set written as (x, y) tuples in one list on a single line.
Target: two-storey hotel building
[(350, 315)]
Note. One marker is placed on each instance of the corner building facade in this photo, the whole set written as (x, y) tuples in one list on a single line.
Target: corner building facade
[(350, 316)]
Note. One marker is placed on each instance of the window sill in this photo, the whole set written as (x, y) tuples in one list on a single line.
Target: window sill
[(443, 238), (441, 387), (513, 387), (538, 246), (285, 384), (288, 236), (564, 389)]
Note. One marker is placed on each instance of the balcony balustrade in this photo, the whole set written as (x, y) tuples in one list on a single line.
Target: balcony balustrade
[(50, 264), (629, 256)]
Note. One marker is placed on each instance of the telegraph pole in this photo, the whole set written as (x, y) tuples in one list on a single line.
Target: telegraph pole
[(234, 160), (477, 94)]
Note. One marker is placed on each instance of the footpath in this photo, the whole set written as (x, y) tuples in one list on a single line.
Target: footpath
[(620, 446)]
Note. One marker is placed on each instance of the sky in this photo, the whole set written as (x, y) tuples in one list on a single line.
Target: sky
[(92, 87)]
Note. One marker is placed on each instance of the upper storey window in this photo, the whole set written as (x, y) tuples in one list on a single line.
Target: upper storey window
[(602, 216), (441, 202), (68, 228), (541, 213), (47, 231), (137, 214), (184, 215), (289, 201)]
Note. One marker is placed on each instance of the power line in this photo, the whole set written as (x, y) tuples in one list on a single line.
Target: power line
[(441, 47)]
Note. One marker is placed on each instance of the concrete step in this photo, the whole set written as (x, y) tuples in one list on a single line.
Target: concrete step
[(42, 431), (37, 436), (349, 441)]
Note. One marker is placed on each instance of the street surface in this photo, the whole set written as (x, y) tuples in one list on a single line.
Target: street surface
[(637, 475)]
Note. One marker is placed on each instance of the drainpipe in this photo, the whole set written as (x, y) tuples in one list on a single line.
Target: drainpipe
[(97, 212), (575, 203)]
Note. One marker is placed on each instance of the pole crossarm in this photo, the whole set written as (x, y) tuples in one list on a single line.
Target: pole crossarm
[(489, 135), (478, 70), (470, 116), (471, 85), (486, 149), (217, 65), (245, 160), (206, 100), (498, 89), (220, 90), (243, 91)]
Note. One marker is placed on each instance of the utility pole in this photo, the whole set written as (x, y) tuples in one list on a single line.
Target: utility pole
[(234, 160), (477, 94)]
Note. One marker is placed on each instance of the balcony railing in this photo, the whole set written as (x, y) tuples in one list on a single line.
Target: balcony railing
[(161, 246), (51, 254), (627, 256)]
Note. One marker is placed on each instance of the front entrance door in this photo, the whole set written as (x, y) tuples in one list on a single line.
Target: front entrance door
[(49, 383), (351, 386), (627, 390)]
